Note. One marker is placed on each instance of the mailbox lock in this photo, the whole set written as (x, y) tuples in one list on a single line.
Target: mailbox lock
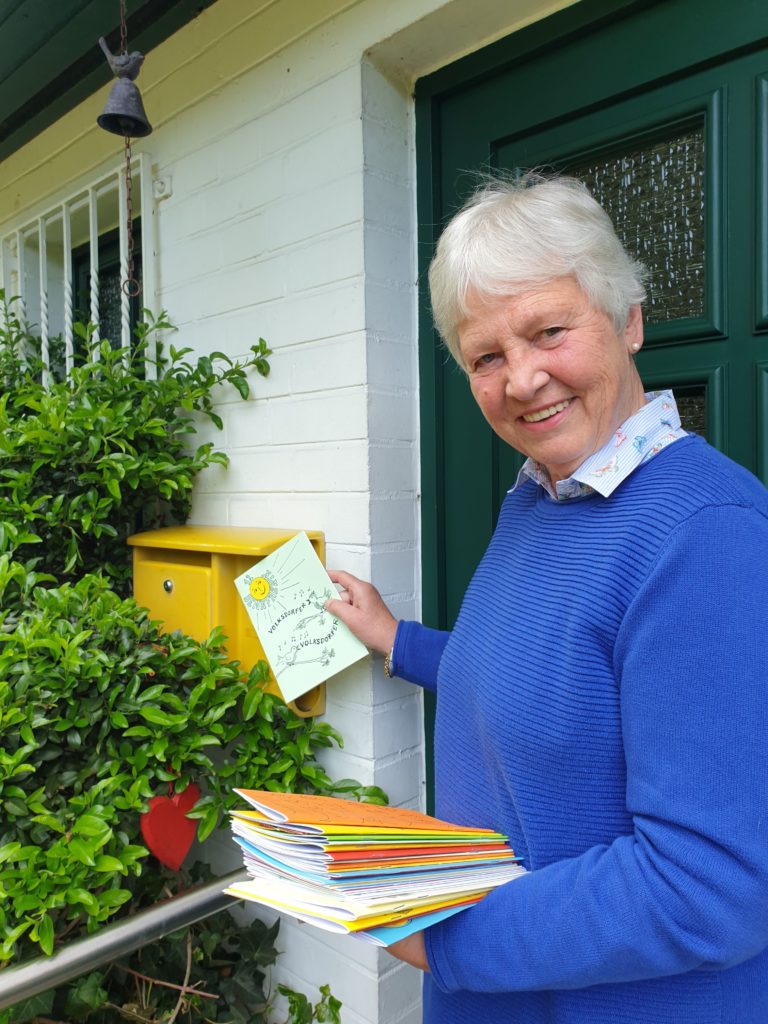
[(167, 586)]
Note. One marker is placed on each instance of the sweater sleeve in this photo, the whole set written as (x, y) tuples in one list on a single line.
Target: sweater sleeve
[(688, 887), (417, 652)]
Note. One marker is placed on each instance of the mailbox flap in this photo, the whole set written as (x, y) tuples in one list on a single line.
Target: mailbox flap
[(177, 594)]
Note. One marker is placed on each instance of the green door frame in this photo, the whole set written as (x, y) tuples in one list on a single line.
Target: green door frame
[(712, 33)]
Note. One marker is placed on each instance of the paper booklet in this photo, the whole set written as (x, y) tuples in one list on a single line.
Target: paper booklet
[(378, 873), (284, 595)]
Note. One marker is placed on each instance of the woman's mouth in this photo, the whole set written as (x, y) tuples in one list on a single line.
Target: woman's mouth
[(545, 414)]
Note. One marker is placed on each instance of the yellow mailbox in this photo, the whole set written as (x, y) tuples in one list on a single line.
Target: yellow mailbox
[(185, 576)]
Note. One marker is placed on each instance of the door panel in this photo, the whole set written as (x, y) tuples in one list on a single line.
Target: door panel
[(762, 419), (662, 108), (677, 156), (761, 218), (656, 163)]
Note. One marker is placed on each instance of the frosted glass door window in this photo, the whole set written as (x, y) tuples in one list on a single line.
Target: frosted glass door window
[(654, 193)]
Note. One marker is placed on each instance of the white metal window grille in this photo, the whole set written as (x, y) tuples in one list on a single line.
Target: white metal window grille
[(36, 259)]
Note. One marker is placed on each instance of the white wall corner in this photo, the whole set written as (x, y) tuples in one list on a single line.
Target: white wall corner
[(391, 302), (451, 30)]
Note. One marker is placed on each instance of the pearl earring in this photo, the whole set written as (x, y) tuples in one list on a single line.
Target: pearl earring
[(635, 346)]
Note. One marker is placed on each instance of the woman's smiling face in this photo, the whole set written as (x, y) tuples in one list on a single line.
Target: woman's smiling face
[(550, 373)]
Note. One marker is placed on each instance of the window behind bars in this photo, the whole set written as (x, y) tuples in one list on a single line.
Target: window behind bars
[(67, 262)]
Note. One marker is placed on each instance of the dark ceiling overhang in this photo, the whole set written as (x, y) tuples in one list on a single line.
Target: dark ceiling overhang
[(50, 58)]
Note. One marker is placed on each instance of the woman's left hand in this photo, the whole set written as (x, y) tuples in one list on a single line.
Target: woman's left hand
[(411, 951)]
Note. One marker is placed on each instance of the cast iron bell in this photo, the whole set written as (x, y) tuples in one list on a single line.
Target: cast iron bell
[(123, 113)]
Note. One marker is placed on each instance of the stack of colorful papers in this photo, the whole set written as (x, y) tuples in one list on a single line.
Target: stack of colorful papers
[(379, 873)]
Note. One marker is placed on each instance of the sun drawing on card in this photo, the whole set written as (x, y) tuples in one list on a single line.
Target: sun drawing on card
[(268, 592), (263, 591)]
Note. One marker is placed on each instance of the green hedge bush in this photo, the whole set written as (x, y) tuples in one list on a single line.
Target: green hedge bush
[(100, 710), (86, 458)]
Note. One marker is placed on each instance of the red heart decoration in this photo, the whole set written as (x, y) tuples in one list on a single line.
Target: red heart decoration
[(167, 830)]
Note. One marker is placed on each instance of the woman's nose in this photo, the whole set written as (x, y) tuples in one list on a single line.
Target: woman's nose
[(524, 379)]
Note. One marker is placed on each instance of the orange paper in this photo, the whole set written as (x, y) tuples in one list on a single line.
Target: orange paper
[(319, 811)]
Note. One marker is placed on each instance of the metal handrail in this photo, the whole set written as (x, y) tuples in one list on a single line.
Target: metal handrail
[(116, 940)]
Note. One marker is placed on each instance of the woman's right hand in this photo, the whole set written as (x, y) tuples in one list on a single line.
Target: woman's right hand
[(361, 608)]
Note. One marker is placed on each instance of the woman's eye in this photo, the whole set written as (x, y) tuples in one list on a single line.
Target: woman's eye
[(548, 337), (485, 361)]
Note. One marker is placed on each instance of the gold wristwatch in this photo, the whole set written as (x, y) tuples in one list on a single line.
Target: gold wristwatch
[(388, 663)]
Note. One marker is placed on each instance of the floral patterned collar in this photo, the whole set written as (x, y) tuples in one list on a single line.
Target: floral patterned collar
[(638, 439)]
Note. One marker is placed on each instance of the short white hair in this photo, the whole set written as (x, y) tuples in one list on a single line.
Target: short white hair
[(512, 235)]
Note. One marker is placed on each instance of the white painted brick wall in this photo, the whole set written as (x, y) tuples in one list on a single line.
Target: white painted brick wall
[(362, 397), (305, 235)]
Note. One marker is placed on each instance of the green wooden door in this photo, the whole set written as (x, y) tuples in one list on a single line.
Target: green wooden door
[(663, 109)]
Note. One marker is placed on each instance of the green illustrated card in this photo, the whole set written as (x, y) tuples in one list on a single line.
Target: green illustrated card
[(284, 595)]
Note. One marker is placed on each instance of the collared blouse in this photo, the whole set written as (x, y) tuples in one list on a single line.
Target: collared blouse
[(636, 441)]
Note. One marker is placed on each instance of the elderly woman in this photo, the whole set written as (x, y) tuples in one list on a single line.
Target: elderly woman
[(603, 696)]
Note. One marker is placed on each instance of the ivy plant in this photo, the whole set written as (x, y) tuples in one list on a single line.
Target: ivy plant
[(100, 710), (90, 456)]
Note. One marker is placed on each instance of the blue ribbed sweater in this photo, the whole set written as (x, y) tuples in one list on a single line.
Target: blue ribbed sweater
[(603, 700)]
